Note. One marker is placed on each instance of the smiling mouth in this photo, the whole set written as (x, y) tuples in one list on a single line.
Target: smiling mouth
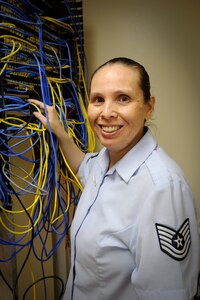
[(110, 129)]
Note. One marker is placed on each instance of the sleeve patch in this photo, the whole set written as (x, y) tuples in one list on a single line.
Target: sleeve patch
[(175, 243)]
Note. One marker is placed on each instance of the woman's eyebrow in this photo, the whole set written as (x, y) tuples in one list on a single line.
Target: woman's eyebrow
[(95, 94)]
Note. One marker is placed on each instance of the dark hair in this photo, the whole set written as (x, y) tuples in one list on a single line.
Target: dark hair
[(144, 77)]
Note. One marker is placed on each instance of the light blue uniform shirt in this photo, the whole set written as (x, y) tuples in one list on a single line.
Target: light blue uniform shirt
[(134, 235)]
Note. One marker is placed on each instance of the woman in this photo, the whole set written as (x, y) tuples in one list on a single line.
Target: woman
[(134, 235)]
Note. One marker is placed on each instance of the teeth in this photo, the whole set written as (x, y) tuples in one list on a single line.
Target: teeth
[(110, 128)]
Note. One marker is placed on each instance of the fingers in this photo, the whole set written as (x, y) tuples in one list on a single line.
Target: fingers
[(47, 115), (38, 111), (40, 106), (41, 118), (37, 102)]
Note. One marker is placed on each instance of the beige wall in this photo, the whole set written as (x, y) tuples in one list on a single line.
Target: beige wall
[(165, 37)]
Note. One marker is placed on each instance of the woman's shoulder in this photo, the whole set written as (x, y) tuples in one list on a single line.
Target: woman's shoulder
[(164, 169)]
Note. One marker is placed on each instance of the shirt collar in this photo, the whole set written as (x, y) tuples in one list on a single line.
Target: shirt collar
[(130, 163)]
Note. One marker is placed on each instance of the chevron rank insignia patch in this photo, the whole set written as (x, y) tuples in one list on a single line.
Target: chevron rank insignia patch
[(174, 243)]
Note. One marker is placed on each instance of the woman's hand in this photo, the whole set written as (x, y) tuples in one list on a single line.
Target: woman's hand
[(50, 111), (72, 153)]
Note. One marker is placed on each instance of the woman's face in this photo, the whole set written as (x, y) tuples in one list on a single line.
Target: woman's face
[(117, 110)]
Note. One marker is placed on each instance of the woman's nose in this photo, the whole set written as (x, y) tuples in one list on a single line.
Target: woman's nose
[(108, 110)]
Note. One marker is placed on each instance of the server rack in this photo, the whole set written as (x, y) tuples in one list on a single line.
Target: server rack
[(42, 57)]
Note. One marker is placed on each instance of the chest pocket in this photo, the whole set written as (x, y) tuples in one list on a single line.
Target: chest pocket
[(116, 253)]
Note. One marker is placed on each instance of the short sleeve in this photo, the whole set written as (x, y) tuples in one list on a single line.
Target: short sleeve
[(85, 167), (167, 250)]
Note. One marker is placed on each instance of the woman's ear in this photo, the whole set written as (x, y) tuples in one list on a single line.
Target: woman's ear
[(150, 107)]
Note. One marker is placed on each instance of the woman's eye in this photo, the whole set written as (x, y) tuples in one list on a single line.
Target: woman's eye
[(97, 100), (123, 98)]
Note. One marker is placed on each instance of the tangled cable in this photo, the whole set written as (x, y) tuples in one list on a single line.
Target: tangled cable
[(38, 190)]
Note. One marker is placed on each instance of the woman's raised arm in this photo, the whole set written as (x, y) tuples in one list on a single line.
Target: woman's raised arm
[(72, 153)]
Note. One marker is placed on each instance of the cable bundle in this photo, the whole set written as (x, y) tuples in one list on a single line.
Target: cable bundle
[(41, 59)]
